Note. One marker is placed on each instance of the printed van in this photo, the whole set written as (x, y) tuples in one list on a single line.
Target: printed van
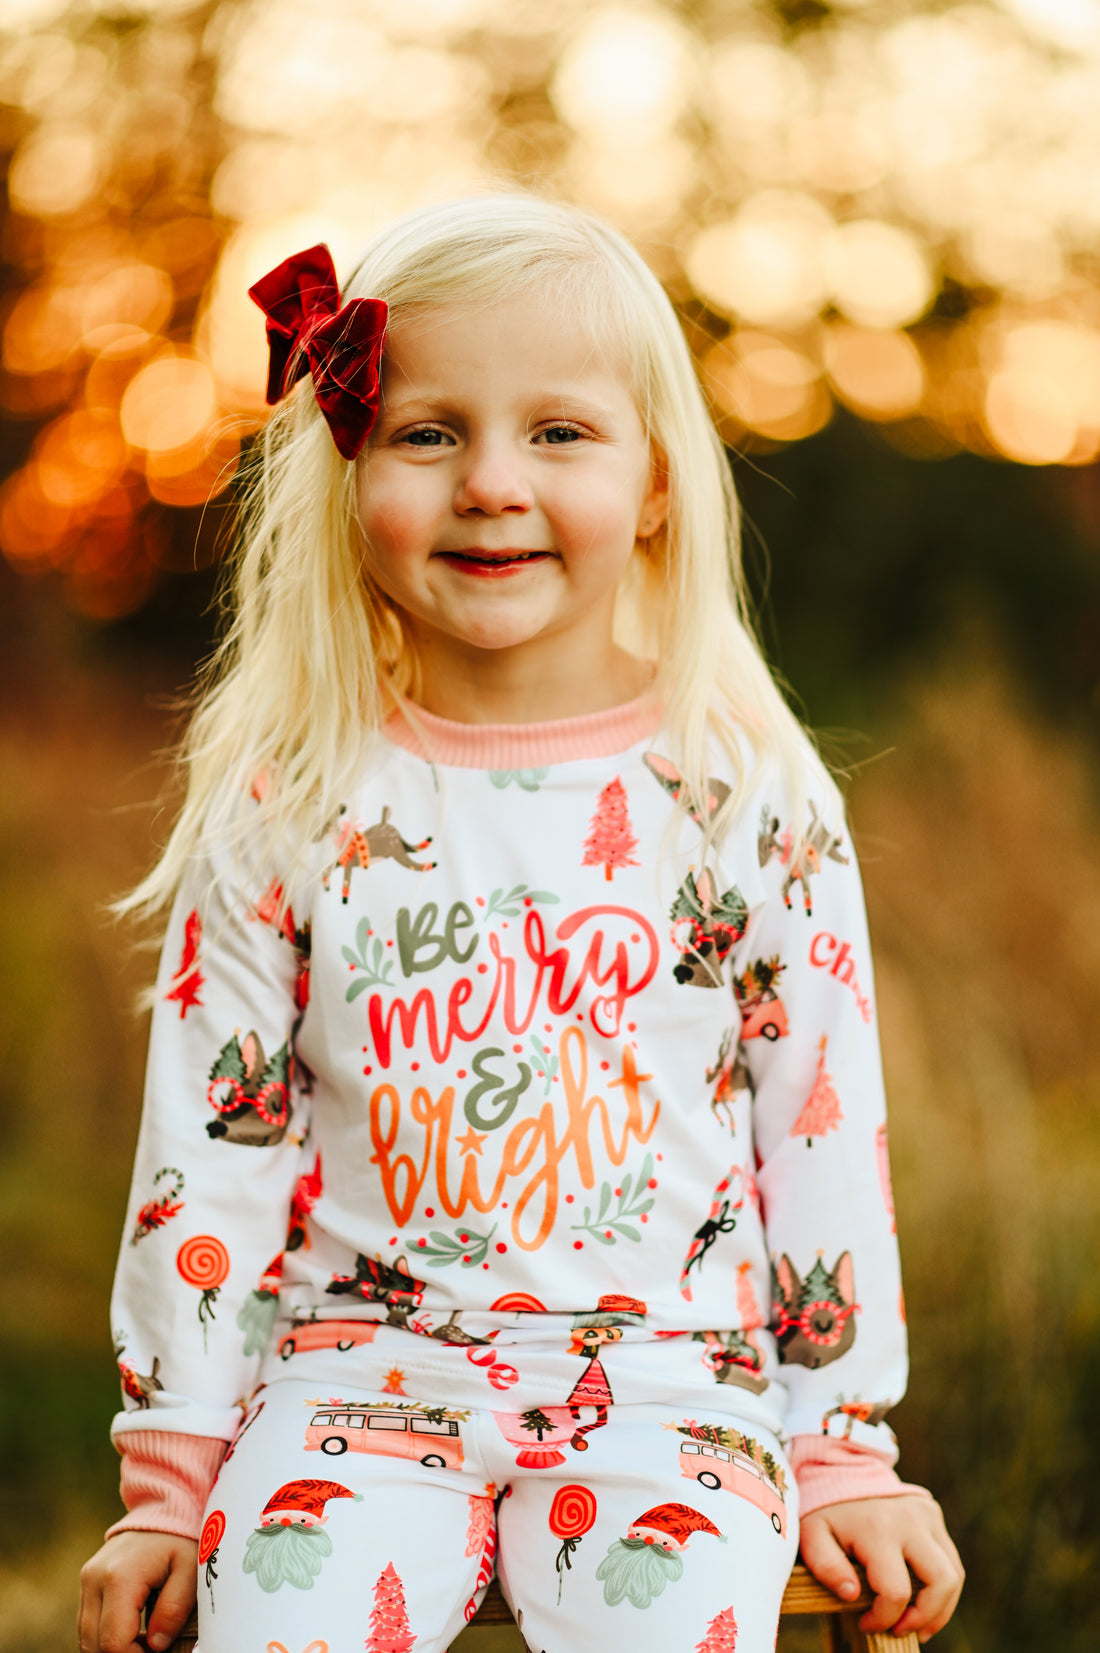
[(764, 1017), (715, 1466), (430, 1437), (326, 1334)]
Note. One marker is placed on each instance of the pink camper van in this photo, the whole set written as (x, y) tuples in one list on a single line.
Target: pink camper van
[(716, 1466), (326, 1334), (432, 1437)]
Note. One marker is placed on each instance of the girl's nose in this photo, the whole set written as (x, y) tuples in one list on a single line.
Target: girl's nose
[(492, 482)]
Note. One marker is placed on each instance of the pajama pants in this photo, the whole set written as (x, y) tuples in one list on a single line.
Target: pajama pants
[(337, 1526)]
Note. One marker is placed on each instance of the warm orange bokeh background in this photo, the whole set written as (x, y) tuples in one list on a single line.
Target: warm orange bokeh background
[(888, 206)]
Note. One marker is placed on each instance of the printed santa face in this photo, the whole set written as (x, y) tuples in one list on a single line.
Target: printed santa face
[(638, 1567), (288, 1546), (648, 1535)]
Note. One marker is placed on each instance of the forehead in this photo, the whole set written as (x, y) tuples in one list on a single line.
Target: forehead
[(523, 341)]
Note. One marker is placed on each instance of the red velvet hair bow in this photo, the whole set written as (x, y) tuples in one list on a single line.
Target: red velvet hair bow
[(308, 332)]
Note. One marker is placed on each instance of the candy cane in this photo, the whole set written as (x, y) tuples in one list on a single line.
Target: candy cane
[(719, 1221), (484, 1572)]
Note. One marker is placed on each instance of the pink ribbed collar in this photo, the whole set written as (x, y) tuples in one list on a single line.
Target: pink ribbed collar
[(525, 745)]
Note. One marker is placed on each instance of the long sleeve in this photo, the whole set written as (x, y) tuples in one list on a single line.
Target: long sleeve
[(802, 976), (217, 1157)]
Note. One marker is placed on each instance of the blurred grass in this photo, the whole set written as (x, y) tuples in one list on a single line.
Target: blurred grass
[(981, 850)]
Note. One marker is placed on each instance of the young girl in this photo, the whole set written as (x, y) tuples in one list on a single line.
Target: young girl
[(512, 1186)]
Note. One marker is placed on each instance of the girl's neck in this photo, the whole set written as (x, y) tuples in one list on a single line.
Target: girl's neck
[(500, 689)]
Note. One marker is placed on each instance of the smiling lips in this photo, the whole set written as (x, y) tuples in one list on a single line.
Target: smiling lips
[(492, 563)]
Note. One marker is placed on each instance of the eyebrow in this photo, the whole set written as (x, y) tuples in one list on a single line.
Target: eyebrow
[(408, 407)]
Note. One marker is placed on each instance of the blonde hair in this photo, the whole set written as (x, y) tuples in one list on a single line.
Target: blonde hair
[(316, 656)]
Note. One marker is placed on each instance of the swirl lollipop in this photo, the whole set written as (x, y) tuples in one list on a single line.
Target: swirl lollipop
[(571, 1516), (203, 1261), (208, 1548)]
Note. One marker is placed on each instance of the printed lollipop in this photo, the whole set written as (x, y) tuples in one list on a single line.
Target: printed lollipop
[(571, 1516), (203, 1261), (212, 1533)]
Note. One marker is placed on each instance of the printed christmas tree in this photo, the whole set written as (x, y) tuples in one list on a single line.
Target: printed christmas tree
[(189, 980), (721, 1636), (822, 1112), (748, 1309), (760, 976), (389, 1622), (537, 1421), (611, 842), (717, 1434)]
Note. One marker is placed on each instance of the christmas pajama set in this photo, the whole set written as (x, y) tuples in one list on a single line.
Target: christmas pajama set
[(515, 1197)]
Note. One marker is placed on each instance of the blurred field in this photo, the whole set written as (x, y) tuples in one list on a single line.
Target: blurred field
[(981, 849)]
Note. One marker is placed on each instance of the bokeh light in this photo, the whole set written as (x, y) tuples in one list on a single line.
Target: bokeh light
[(891, 208)]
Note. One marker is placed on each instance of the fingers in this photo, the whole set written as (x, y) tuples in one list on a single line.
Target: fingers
[(826, 1559), (176, 1599), (87, 1618), (120, 1622), (888, 1579), (110, 1609), (936, 1563)]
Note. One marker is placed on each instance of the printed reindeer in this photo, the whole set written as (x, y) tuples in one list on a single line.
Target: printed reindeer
[(814, 1319), (377, 1282), (705, 928), (356, 847), (735, 1358), (250, 1094), (818, 843), (730, 1077), (856, 1411)]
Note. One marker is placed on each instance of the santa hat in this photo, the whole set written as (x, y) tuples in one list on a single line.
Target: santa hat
[(272, 1275), (613, 1310), (679, 1521), (307, 1497)]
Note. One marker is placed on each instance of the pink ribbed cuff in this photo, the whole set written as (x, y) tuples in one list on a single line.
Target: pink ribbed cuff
[(834, 1472), (166, 1480)]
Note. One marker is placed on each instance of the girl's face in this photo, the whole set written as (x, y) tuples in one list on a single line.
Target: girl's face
[(505, 484)]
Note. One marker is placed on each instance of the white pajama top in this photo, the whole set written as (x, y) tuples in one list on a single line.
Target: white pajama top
[(522, 1060)]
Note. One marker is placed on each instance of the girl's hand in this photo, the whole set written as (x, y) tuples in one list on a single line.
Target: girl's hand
[(114, 1585), (887, 1536)]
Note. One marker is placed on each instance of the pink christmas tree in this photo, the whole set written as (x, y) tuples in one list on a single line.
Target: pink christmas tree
[(611, 842), (721, 1636), (389, 1622), (822, 1112)]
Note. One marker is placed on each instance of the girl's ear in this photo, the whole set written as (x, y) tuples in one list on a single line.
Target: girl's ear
[(654, 511)]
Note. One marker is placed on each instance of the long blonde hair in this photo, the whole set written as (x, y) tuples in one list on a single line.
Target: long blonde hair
[(316, 656)]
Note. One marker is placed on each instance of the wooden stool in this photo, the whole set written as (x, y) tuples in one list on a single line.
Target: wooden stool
[(804, 1597)]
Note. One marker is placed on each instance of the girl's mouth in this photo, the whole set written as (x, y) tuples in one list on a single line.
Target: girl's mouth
[(492, 564)]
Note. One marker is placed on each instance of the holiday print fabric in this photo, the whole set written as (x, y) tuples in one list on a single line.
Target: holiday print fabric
[(525, 1076), (679, 1534)]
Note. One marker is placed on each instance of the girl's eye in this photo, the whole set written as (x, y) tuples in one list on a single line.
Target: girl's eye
[(561, 435), (426, 437)]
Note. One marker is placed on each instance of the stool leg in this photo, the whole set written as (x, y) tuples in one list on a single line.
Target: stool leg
[(875, 1642), (833, 1638)]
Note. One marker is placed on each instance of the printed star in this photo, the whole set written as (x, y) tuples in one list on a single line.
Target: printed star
[(395, 1377), (471, 1142)]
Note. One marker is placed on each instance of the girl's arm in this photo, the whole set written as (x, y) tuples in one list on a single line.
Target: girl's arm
[(217, 1159), (804, 981)]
